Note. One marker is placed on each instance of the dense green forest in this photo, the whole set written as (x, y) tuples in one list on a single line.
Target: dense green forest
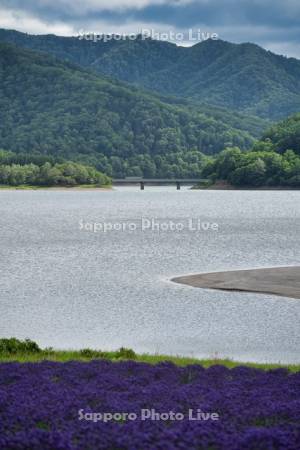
[(241, 77), (51, 107), (53, 112), (285, 134), (273, 161), (180, 165), (45, 173)]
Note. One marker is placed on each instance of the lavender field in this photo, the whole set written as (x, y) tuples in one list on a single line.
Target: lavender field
[(52, 405)]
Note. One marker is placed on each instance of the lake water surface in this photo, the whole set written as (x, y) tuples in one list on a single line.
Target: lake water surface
[(68, 287)]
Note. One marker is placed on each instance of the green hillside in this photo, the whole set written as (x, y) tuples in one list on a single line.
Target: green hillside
[(285, 134), (52, 107), (274, 161), (241, 77)]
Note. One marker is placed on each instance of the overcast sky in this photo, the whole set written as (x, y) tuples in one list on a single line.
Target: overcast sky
[(273, 24)]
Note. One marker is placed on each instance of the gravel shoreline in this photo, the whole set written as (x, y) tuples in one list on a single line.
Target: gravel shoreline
[(282, 281)]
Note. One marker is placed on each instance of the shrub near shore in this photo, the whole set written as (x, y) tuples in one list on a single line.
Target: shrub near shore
[(60, 174), (13, 350)]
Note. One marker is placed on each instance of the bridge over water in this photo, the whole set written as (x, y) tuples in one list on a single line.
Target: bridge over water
[(178, 182)]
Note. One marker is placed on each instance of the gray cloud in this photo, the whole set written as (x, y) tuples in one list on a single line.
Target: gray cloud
[(273, 24)]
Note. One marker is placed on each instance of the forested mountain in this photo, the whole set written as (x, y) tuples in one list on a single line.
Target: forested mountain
[(273, 161), (285, 135), (242, 77), (52, 107)]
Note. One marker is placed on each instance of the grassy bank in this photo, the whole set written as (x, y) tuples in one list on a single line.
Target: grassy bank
[(72, 355), (226, 186), (25, 187), (28, 351)]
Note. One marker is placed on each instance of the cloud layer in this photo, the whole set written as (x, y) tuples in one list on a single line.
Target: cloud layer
[(274, 24)]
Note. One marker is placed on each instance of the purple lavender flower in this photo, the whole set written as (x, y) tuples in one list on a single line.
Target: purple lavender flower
[(61, 406)]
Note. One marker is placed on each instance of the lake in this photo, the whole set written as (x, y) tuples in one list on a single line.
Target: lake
[(92, 269)]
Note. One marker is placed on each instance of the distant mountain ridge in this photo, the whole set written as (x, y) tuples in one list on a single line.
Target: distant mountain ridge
[(241, 77), (52, 107)]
